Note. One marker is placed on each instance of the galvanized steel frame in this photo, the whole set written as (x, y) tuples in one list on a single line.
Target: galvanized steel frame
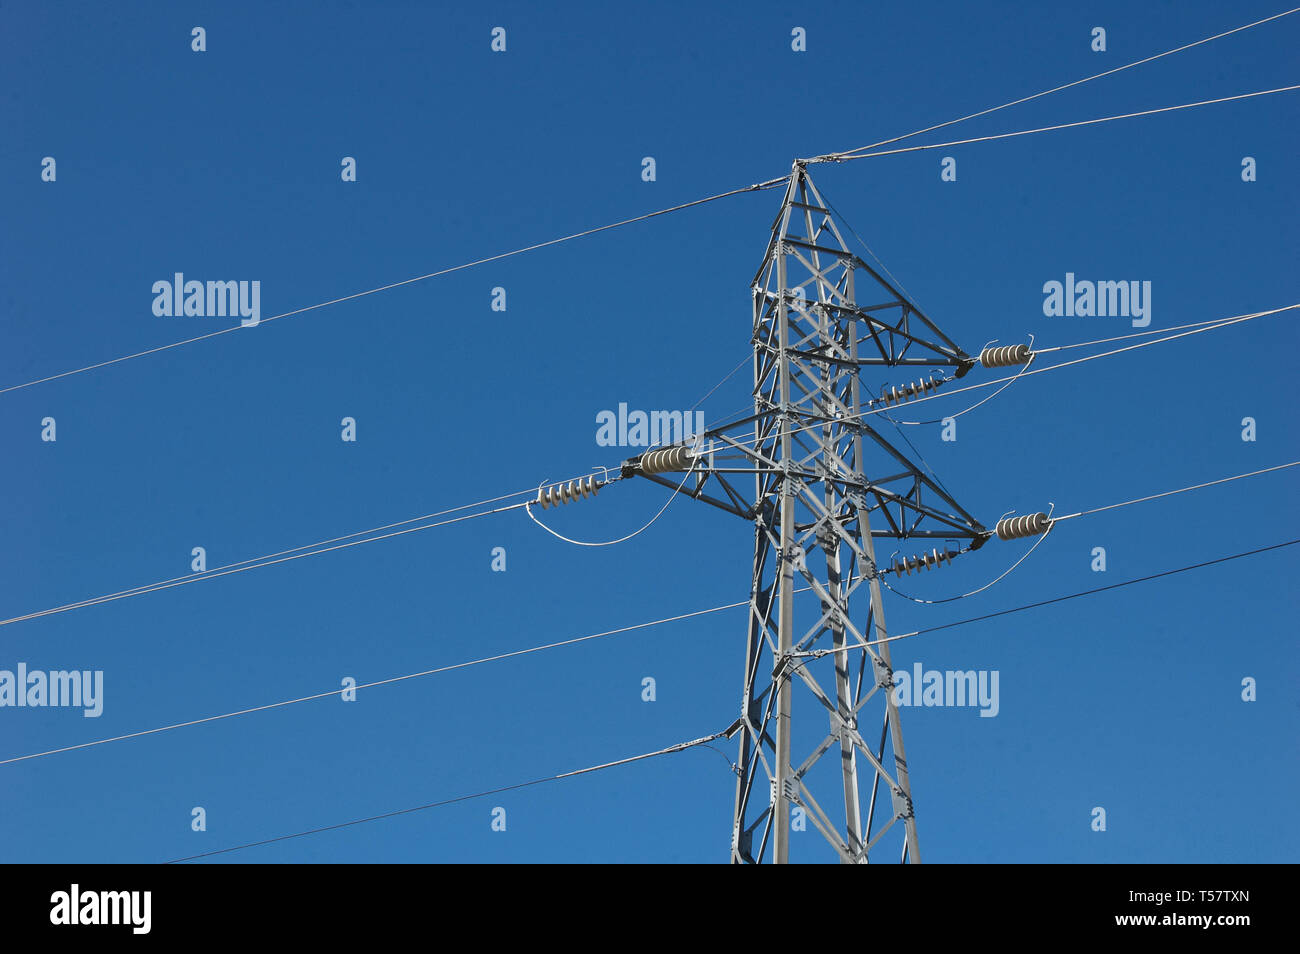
[(816, 515)]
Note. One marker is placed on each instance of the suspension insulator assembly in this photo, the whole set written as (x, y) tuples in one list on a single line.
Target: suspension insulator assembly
[(1028, 525), (1005, 356), (667, 459), (566, 493), (922, 561), (897, 395)]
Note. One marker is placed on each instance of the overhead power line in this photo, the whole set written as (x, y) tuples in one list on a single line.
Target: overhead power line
[(581, 639), (250, 565), (860, 152), (313, 549), (255, 563), (682, 746), (679, 747), (754, 737), (409, 281), (1057, 599), (1136, 334), (322, 546), (306, 546), (1180, 490), (1198, 328), (1209, 325), (1082, 122), (1057, 89), (1052, 521), (380, 682), (1065, 347), (1029, 372)]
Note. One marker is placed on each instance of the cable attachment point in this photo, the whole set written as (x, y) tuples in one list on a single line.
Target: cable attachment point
[(1028, 525), (566, 493), (1006, 356)]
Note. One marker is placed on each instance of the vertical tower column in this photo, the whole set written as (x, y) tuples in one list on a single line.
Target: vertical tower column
[(826, 485)]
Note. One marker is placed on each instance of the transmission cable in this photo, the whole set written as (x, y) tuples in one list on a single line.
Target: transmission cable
[(770, 183), (818, 653), (1082, 122), (679, 747), (572, 641), (1051, 522), (251, 565), (682, 746), (1056, 89), (419, 278), (382, 682), (1180, 490), (1236, 319), (321, 545)]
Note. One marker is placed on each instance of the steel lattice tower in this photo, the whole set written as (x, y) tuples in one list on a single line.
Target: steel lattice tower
[(826, 486)]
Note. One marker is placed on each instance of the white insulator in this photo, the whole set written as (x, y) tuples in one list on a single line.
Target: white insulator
[(1028, 525), (1005, 356), (897, 395), (922, 561), (667, 459), (565, 493)]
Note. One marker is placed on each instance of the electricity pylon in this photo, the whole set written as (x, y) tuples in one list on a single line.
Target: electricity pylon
[(827, 485)]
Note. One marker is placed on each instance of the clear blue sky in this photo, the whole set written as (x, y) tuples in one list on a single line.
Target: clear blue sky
[(226, 165)]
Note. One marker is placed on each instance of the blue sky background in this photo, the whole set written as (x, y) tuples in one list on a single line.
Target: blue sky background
[(225, 164)]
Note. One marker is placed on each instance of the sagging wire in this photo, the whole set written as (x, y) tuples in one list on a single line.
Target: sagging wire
[(564, 493), (1010, 381), (1050, 523)]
